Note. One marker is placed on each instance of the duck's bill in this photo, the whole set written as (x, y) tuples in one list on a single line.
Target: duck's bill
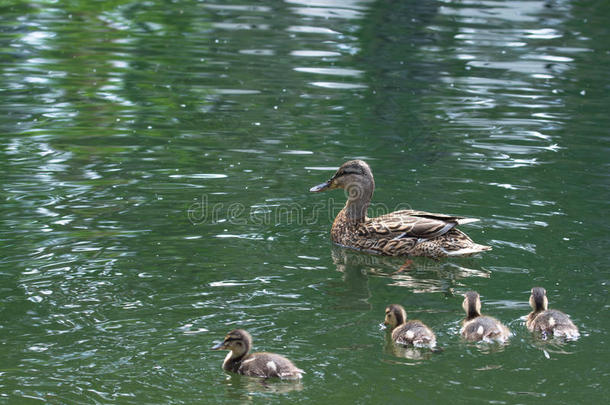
[(320, 187), (219, 346)]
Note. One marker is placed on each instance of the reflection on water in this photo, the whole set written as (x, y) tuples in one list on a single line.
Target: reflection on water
[(406, 352), (488, 347), (244, 388), (552, 348), (419, 275), (525, 64)]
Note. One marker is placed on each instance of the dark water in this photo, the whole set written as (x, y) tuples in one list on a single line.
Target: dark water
[(156, 158)]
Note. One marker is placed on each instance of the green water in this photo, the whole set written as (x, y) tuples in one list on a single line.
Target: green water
[(156, 161)]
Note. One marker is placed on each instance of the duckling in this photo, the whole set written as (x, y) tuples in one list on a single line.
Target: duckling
[(548, 321), (408, 333), (478, 327), (405, 232), (266, 365)]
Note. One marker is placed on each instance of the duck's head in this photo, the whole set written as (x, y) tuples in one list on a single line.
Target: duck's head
[(538, 299), (238, 341), (395, 315), (472, 304), (354, 176)]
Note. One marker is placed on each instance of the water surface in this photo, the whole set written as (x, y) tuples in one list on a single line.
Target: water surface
[(157, 159)]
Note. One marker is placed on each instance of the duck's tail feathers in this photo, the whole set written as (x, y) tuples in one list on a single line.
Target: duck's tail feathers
[(470, 250), (464, 221)]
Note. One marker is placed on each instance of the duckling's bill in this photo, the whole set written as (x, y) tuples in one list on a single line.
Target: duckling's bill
[(219, 346)]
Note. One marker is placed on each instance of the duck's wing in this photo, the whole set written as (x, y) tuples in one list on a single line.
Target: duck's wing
[(440, 217), (269, 365), (408, 224)]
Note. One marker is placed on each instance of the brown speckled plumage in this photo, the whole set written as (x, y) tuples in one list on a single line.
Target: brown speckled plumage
[(548, 321), (262, 364), (400, 233), (477, 327), (405, 332)]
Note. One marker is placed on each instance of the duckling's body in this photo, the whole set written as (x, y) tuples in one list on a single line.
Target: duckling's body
[(484, 328), (405, 232), (477, 327), (548, 321), (261, 364), (413, 332)]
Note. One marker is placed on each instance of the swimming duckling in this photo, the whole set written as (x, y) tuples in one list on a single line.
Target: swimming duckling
[(548, 321), (478, 327), (405, 232), (266, 365), (408, 333)]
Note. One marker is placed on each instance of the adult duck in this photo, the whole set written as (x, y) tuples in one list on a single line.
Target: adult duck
[(400, 233)]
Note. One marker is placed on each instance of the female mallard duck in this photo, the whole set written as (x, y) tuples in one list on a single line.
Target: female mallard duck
[(405, 232), (408, 333), (548, 321), (479, 327), (266, 365)]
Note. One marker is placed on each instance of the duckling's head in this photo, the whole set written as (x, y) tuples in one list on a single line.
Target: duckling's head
[(354, 176), (538, 299), (237, 341), (395, 315), (472, 304)]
